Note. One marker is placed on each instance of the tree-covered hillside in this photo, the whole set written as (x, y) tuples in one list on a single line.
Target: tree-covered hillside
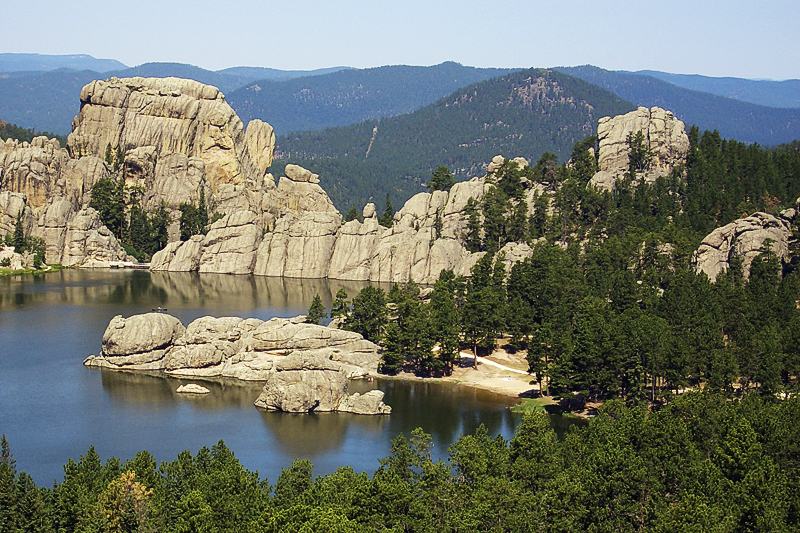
[(350, 96), (770, 93), (702, 463), (734, 119), (525, 113), (11, 131)]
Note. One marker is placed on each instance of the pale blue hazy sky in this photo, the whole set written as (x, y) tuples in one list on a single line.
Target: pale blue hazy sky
[(716, 38)]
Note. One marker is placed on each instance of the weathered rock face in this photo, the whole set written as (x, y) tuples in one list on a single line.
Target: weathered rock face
[(244, 349), (87, 242), (29, 168), (140, 342), (744, 238), (664, 135), (308, 239), (308, 381), (178, 137), (305, 366)]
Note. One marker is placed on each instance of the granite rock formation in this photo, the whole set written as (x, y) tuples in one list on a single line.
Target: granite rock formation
[(306, 367), (664, 135), (744, 238)]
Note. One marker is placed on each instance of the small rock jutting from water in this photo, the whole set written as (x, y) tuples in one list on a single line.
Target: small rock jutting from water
[(192, 388)]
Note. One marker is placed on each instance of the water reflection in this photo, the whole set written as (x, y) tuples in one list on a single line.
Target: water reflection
[(169, 289), (154, 389)]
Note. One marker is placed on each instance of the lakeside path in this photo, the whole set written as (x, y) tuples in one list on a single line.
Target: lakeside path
[(490, 375)]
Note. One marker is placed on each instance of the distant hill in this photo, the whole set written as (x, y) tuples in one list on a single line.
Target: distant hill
[(262, 73), (42, 62), (224, 82), (525, 113), (46, 101), (734, 119), (351, 96), (762, 92), (12, 131)]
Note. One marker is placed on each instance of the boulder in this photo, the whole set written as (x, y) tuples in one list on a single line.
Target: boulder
[(300, 175), (230, 245), (309, 381), (369, 403), (743, 238), (138, 342)]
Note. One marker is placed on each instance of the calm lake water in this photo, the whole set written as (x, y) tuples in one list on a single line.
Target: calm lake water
[(52, 408)]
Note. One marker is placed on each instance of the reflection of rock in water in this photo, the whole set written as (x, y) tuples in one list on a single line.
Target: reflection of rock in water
[(312, 434), (154, 389), (169, 289), (248, 291)]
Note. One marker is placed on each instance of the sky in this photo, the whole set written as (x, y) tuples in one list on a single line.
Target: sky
[(736, 38)]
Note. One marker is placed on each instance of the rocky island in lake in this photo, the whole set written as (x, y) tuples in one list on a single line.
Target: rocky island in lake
[(305, 367)]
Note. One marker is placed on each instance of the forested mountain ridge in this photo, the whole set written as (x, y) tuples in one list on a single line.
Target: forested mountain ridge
[(525, 113), (770, 93), (734, 119), (350, 96)]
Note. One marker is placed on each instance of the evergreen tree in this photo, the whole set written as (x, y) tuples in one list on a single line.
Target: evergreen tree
[(340, 307), (441, 180), (108, 199), (445, 320), (472, 238), (368, 317), (352, 214), (19, 235), (387, 218), (316, 312)]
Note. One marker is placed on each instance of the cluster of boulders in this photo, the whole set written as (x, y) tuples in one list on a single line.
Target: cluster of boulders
[(306, 367)]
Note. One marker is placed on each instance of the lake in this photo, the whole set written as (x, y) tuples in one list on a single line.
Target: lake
[(52, 408)]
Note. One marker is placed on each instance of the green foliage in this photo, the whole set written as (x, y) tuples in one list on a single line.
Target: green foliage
[(640, 157), (11, 131), (352, 214), (194, 219), (340, 307), (316, 312), (18, 240), (387, 218), (462, 131), (441, 179), (703, 462), (108, 199), (368, 317)]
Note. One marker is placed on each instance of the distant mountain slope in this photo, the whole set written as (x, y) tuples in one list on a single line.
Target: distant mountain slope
[(45, 101), (224, 82), (351, 96), (734, 119), (42, 62), (762, 92), (525, 113), (262, 73)]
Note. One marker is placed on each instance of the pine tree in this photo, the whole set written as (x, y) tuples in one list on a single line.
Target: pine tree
[(19, 234), (387, 219), (472, 238), (340, 307), (441, 180), (316, 312)]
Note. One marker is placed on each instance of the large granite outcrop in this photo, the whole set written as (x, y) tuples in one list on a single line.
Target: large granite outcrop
[(178, 139), (664, 135), (744, 238), (308, 381), (246, 349), (306, 367)]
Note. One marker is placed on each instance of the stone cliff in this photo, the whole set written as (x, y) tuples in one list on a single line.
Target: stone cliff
[(664, 135), (178, 137)]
